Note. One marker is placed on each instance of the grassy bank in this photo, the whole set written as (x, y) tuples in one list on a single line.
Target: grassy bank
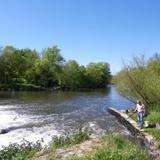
[(153, 118), (140, 79), (24, 151), (112, 147), (27, 150), (115, 147)]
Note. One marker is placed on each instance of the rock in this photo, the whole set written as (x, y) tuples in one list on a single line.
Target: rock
[(157, 125), (4, 131), (154, 155)]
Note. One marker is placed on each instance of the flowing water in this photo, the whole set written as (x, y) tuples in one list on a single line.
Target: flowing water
[(35, 115)]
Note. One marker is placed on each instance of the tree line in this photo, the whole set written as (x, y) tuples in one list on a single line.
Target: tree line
[(28, 69), (141, 80)]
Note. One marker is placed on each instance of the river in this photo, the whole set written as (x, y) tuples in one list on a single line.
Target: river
[(35, 115)]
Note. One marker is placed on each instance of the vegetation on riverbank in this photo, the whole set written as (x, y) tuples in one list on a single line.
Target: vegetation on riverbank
[(27, 150), (114, 147), (155, 132), (153, 118), (111, 147), (26, 69), (23, 151), (141, 80), (68, 139)]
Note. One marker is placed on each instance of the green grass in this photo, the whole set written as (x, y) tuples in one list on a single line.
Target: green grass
[(115, 147), (66, 140), (28, 150), (153, 117), (155, 132), (154, 108), (70, 139), (133, 116)]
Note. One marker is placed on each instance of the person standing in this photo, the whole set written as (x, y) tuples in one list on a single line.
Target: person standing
[(140, 108)]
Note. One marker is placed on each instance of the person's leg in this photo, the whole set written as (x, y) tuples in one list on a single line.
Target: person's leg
[(141, 119), (138, 119)]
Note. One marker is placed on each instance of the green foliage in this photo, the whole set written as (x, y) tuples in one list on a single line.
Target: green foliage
[(24, 151), (155, 132), (115, 147), (24, 66), (155, 108), (98, 74), (52, 61), (153, 117), (95, 75), (15, 65), (70, 139), (71, 75), (141, 80)]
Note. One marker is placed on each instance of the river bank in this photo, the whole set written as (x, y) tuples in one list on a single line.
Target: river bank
[(83, 144), (27, 87), (146, 140), (108, 147)]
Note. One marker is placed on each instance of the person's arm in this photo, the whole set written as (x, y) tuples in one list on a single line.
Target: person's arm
[(135, 108), (143, 108)]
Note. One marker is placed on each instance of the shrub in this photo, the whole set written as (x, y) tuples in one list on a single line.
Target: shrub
[(70, 139), (153, 117), (22, 151)]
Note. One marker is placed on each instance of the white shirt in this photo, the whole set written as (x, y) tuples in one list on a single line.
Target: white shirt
[(140, 108)]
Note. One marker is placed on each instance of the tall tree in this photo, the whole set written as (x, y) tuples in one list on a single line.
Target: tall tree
[(141, 79), (71, 75), (98, 74), (54, 60)]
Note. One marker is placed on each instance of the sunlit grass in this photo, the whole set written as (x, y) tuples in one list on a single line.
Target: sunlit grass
[(115, 147), (23, 151), (156, 133), (28, 150), (153, 117), (70, 139)]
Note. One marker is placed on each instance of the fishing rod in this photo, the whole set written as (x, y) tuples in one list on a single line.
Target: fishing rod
[(132, 114)]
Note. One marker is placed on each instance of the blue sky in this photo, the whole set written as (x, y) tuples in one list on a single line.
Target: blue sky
[(85, 30)]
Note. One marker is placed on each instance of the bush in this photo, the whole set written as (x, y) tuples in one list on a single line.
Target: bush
[(70, 139), (22, 151), (153, 117), (140, 80)]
